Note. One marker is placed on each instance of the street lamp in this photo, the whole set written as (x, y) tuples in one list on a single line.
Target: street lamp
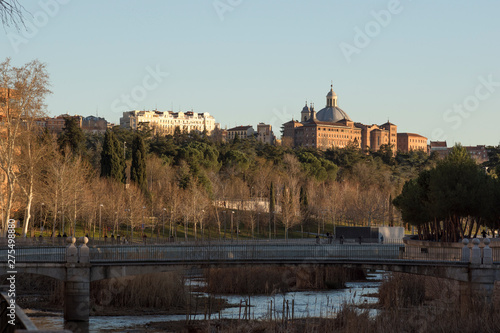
[(232, 215), (128, 210), (201, 223), (224, 224), (100, 220), (258, 222), (143, 227), (163, 221), (42, 224), (59, 213), (116, 224)]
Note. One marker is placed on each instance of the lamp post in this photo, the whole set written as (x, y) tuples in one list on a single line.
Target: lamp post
[(116, 224), (59, 213), (100, 220), (258, 222), (232, 228), (224, 212), (143, 227), (42, 223), (201, 223), (270, 225), (63, 226), (128, 210), (163, 221)]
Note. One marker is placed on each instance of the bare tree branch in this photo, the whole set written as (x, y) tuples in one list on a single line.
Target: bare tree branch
[(11, 13)]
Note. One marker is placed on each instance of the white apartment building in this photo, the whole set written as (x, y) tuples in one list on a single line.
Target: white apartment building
[(166, 122)]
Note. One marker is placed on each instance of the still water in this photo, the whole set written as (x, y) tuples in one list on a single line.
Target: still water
[(306, 304)]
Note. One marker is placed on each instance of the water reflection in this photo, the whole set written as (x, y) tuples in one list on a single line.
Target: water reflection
[(305, 304), (77, 326)]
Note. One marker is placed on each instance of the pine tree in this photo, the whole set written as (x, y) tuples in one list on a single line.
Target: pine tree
[(138, 167), (112, 159)]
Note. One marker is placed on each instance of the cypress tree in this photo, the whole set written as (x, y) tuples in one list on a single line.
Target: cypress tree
[(272, 198), (138, 167), (303, 199), (112, 159), (72, 136)]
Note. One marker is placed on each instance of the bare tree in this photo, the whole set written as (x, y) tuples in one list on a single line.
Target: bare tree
[(11, 13), (22, 95)]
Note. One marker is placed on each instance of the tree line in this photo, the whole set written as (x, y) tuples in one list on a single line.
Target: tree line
[(453, 200), (124, 179)]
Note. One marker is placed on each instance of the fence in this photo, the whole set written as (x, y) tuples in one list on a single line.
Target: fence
[(248, 251)]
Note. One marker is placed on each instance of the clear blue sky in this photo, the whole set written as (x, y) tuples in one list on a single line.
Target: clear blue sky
[(247, 61)]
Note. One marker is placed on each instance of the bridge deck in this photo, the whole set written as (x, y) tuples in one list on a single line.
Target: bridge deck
[(255, 252)]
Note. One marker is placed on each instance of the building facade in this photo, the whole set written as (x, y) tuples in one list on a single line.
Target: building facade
[(411, 141), (94, 124), (166, 122), (477, 153), (331, 127), (56, 124), (243, 132), (440, 147), (265, 133)]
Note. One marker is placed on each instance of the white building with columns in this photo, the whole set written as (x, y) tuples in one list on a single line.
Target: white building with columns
[(165, 122)]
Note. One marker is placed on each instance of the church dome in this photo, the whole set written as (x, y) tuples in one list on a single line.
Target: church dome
[(331, 93), (305, 109), (332, 114)]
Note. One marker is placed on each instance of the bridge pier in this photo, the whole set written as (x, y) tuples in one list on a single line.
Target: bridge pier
[(77, 292), (77, 283), (480, 286)]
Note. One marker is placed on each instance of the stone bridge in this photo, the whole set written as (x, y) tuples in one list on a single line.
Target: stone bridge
[(476, 269)]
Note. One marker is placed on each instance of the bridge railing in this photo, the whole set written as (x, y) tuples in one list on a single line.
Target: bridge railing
[(35, 254), (247, 251), (259, 252)]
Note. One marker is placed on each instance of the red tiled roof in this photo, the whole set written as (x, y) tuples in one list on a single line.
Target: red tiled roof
[(438, 144), (413, 134), (239, 128)]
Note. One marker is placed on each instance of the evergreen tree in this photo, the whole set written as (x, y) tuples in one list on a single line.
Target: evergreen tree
[(72, 136), (112, 159), (304, 203), (138, 167), (272, 198)]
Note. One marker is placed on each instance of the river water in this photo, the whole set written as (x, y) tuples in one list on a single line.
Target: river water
[(305, 304)]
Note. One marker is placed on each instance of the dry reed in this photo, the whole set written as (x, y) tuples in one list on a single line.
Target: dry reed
[(271, 280), (159, 290)]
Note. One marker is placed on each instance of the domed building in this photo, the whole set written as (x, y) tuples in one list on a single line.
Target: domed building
[(332, 127)]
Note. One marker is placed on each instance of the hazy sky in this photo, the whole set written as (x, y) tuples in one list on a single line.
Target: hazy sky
[(431, 67)]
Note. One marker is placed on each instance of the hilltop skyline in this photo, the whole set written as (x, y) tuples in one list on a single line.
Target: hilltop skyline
[(429, 68)]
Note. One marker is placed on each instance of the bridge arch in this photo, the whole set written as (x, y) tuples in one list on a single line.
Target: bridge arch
[(56, 271)]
